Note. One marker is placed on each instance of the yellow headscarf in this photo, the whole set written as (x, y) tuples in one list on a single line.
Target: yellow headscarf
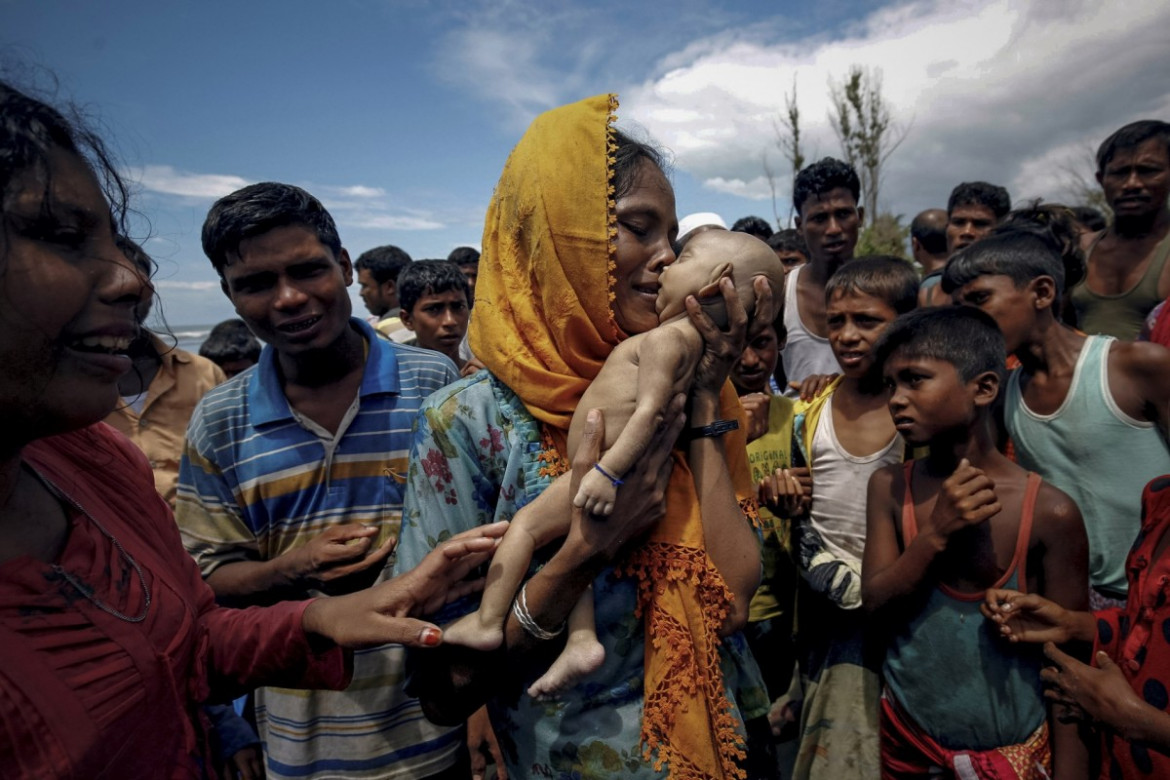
[(544, 325)]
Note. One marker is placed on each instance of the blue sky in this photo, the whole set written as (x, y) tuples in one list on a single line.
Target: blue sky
[(399, 115)]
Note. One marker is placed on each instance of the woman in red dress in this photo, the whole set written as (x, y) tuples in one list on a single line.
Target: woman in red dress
[(109, 639)]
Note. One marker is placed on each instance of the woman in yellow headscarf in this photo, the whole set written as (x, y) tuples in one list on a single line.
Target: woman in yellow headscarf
[(580, 226)]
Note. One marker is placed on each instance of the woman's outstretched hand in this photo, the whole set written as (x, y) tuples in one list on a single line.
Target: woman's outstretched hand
[(722, 347), (386, 613)]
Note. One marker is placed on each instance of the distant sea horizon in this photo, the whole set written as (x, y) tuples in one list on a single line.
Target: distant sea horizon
[(188, 337)]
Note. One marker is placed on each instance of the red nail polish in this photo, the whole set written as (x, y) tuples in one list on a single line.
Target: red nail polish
[(431, 636)]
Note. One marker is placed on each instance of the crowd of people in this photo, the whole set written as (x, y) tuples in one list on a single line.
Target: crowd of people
[(763, 508)]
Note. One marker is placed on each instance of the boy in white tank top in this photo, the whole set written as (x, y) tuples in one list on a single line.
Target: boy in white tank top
[(845, 434)]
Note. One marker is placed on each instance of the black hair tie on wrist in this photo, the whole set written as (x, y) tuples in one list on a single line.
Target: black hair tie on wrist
[(717, 428)]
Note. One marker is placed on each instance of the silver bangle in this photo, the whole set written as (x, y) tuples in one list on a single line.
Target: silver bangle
[(520, 610)]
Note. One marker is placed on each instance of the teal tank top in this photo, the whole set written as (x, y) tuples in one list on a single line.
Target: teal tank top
[(957, 680), (1097, 454)]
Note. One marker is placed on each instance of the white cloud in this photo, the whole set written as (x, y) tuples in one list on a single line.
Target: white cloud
[(176, 284), (166, 180), (998, 90), (392, 222), (355, 191), (501, 48), (355, 205)]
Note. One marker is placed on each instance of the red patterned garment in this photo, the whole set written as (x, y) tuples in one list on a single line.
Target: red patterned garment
[(908, 752), (1137, 638), (106, 653)]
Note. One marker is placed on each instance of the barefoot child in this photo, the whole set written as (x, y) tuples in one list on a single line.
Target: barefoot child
[(844, 435), (769, 423), (1082, 411), (634, 387), (1124, 691), (940, 532)]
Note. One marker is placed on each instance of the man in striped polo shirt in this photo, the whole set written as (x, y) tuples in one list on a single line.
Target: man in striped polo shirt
[(292, 475)]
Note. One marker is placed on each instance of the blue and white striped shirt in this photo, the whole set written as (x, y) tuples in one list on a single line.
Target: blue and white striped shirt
[(258, 480)]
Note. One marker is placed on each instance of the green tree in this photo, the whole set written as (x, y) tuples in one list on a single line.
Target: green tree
[(788, 139), (1078, 180), (884, 235), (866, 130)]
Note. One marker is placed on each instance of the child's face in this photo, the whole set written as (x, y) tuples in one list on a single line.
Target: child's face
[(755, 366), (1012, 308), (926, 397), (856, 320), (439, 320)]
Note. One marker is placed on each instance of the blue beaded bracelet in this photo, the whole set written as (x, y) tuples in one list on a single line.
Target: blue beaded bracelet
[(616, 482)]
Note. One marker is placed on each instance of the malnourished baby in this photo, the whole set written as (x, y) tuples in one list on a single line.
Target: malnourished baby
[(664, 361)]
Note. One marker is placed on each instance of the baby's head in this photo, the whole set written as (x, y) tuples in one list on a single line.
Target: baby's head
[(707, 258)]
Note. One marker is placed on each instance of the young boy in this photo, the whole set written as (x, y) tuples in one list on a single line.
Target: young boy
[(436, 304), (232, 347), (634, 387), (1087, 413), (769, 449), (844, 434), (940, 532)]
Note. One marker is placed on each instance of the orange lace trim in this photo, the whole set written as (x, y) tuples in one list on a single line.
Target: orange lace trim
[(553, 462), (690, 672)]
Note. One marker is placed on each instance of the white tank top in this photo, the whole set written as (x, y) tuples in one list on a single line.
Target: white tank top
[(840, 483), (805, 353)]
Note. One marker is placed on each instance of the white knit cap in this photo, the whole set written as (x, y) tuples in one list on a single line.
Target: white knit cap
[(697, 220)]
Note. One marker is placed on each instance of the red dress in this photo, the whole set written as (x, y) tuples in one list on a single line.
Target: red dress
[(87, 693), (1137, 638)]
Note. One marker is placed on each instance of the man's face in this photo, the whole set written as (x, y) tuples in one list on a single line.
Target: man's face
[(439, 321), (967, 224), (829, 223), (756, 364), (470, 271), (856, 322), (790, 259), (379, 298), (1013, 308), (1136, 182), (290, 289)]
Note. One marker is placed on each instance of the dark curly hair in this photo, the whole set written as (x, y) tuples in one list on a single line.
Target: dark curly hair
[(980, 193), (30, 128), (258, 208), (822, 176), (626, 159)]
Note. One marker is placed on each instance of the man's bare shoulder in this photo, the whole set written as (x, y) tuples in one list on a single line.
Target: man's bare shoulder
[(1140, 360), (1089, 238)]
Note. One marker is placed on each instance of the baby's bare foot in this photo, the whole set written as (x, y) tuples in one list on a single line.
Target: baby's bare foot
[(470, 631), (582, 655)]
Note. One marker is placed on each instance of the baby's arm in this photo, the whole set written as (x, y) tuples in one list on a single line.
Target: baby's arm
[(661, 356)]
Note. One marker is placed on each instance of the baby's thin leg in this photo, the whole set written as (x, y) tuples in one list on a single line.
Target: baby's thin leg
[(582, 655), (484, 628)]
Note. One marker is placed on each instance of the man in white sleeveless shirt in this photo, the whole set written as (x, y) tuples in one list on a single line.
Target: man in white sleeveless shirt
[(825, 196)]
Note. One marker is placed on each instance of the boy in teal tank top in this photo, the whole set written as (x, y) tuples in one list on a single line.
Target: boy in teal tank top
[(1089, 414), (940, 532)]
